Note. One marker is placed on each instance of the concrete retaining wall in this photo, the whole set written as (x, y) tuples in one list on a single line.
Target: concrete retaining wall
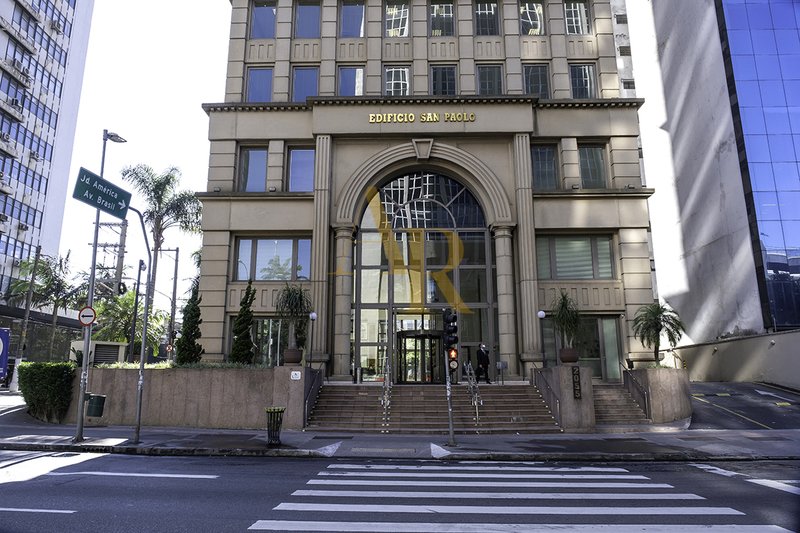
[(772, 358), (577, 415), (668, 393), (202, 398)]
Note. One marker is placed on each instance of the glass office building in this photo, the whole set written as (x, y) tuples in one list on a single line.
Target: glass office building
[(761, 47)]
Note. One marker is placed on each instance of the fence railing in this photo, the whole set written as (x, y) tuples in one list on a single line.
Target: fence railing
[(640, 394), (312, 389), (547, 392), (386, 396), (474, 391)]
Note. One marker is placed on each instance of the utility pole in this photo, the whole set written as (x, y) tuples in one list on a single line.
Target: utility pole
[(171, 330), (123, 231), (14, 385)]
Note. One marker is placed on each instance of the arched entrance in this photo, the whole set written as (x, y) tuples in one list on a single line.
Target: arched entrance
[(422, 246)]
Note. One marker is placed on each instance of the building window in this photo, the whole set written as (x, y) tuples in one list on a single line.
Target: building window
[(398, 81), (253, 169), (487, 19), (259, 85), (262, 25), (576, 15), (442, 19), (307, 20), (593, 167), (396, 23), (543, 165), (443, 80), (622, 18), (351, 81), (628, 84), (536, 78), (574, 257), (583, 81), (301, 170), (625, 51), (531, 18), (351, 19), (273, 259), (490, 80), (304, 83)]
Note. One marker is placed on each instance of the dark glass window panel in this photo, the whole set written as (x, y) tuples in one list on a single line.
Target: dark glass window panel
[(274, 259), (736, 17), (490, 80), (791, 232), (537, 80), (531, 18), (305, 83), (263, 24), (438, 248), (789, 205), (749, 93), (786, 176), (543, 162), (583, 81), (301, 170), (303, 268), (771, 235), (787, 41), (790, 65), (474, 246), (781, 148), (761, 178), (757, 148), (758, 16), (766, 205), (351, 81), (487, 18), (772, 93), (473, 285), (442, 19), (397, 19), (397, 81), (791, 89), (593, 169), (783, 15), (243, 259), (744, 67), (474, 326), (254, 170), (576, 17), (352, 21), (259, 85), (753, 120), (443, 80), (777, 120), (763, 42), (740, 43), (767, 67), (307, 21)]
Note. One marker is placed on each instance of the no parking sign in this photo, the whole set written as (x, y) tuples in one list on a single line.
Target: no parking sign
[(5, 341)]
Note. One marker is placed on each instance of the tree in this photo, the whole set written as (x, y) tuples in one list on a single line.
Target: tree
[(653, 320), (167, 207), (242, 349), (187, 347), (115, 319), (52, 285)]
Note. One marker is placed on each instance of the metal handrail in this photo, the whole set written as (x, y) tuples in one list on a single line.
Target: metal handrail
[(552, 396), (640, 387), (474, 391), (314, 386), (386, 397)]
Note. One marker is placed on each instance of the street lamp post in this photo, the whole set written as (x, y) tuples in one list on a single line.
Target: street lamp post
[(541, 314), (313, 317), (87, 334), (135, 310), (143, 352)]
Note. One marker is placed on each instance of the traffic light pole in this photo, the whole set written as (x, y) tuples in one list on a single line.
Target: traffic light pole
[(451, 433), (449, 342)]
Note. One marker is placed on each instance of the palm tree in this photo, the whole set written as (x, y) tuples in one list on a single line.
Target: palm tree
[(653, 320), (51, 286), (167, 207), (116, 316)]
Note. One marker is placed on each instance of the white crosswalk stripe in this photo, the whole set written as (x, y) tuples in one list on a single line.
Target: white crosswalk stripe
[(354, 497)]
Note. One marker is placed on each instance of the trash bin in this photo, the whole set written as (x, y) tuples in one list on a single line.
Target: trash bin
[(274, 421), (96, 404)]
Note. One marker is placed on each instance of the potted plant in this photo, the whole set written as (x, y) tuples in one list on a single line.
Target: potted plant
[(293, 305), (566, 321)]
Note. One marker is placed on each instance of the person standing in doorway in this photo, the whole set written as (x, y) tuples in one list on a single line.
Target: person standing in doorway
[(483, 364)]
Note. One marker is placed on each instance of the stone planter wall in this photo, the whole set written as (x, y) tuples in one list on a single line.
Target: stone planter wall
[(226, 398), (668, 393)]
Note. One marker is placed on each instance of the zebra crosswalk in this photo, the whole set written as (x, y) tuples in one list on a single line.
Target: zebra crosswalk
[(515, 497)]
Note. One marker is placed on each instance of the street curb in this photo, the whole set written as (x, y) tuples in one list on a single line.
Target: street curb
[(451, 457)]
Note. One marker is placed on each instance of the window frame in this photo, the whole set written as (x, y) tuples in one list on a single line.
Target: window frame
[(523, 22), (526, 79), (289, 177), (342, 18), (249, 87), (339, 70), (432, 17), (591, 89), (433, 81), (254, 10), (583, 24), (556, 175), (242, 182), (295, 70), (602, 149), (252, 262), (386, 79), (594, 240), (296, 26), (387, 31), (483, 30), (479, 68)]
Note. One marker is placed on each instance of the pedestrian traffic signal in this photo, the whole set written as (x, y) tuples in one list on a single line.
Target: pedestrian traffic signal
[(452, 359), (450, 328)]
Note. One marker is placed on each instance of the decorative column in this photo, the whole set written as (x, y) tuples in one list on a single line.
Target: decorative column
[(506, 315), (343, 303), (530, 343), (320, 242)]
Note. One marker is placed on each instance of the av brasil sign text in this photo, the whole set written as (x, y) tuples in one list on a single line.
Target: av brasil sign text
[(93, 190)]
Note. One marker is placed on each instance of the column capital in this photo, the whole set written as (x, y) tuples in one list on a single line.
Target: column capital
[(344, 232), (502, 230)]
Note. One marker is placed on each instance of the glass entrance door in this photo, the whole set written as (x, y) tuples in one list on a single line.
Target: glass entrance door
[(418, 350)]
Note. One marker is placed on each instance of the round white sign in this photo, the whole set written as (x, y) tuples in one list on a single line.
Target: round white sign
[(87, 316)]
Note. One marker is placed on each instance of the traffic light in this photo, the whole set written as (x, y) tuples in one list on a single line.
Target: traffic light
[(450, 339)]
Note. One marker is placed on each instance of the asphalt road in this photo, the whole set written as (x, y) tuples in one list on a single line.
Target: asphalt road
[(743, 406), (105, 493)]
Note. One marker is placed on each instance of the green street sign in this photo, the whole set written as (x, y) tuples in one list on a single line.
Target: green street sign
[(93, 190)]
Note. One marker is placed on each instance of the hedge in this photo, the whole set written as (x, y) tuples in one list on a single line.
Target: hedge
[(47, 389)]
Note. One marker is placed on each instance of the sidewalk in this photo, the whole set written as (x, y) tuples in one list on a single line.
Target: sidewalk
[(18, 431)]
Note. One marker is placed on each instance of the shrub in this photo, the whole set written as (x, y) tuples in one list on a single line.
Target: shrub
[(47, 389)]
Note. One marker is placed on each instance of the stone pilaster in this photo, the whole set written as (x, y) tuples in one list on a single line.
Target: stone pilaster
[(506, 314), (343, 302), (320, 243)]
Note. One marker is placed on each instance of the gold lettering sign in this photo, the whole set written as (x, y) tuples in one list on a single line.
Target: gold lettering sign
[(427, 117)]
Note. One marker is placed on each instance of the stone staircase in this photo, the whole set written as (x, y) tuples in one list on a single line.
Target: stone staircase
[(423, 409), (614, 406)]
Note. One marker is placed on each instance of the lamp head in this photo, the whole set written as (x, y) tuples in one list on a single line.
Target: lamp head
[(312, 315), (113, 137), (541, 314)]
